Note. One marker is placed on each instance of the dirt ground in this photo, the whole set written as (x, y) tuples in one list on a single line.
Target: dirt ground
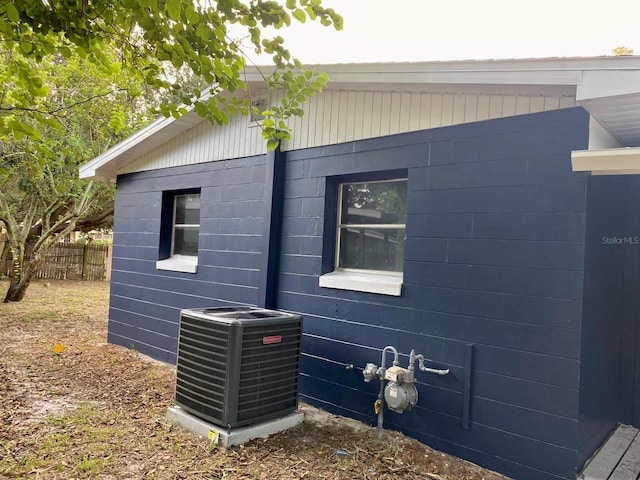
[(72, 407)]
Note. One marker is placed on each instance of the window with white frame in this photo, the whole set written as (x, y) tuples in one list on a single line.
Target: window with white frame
[(370, 236), (186, 224), (179, 231)]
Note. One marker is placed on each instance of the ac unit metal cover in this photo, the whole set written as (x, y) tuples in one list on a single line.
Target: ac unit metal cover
[(238, 366)]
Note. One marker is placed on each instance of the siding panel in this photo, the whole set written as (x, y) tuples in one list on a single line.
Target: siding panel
[(337, 116)]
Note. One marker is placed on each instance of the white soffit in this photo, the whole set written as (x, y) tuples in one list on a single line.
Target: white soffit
[(610, 161), (613, 98)]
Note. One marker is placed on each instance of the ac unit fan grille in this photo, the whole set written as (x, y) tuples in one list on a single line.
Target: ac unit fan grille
[(231, 376)]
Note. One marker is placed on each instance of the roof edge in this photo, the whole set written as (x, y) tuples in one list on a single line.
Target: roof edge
[(91, 168), (547, 72), (608, 161)]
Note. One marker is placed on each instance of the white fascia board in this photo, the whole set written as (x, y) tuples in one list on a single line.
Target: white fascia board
[(466, 72), (544, 71), (609, 83), (610, 161), (90, 169)]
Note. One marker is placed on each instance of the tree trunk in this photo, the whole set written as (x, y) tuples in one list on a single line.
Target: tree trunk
[(17, 288), (26, 264)]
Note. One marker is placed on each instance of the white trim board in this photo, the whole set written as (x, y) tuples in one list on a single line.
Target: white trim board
[(610, 161)]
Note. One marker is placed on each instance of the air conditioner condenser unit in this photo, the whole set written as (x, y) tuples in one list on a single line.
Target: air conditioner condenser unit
[(238, 366)]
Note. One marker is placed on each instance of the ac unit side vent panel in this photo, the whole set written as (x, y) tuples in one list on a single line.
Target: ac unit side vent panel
[(238, 366)]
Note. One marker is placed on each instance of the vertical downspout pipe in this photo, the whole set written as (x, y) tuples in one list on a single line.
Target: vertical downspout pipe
[(272, 229)]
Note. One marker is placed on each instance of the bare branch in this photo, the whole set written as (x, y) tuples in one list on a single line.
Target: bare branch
[(54, 112)]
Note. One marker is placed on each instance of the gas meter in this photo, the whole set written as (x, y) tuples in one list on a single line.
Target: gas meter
[(400, 394)]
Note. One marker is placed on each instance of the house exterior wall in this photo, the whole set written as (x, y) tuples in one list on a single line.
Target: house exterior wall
[(145, 302), (338, 116), (494, 258), (493, 263), (609, 383)]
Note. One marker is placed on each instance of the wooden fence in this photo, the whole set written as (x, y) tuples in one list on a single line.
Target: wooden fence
[(74, 262)]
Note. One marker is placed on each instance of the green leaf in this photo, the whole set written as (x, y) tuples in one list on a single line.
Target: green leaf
[(299, 15), (291, 4), (21, 129), (272, 144), (200, 108), (117, 121), (311, 12), (12, 12), (41, 91), (203, 32), (177, 60), (18, 135), (192, 16), (174, 8), (82, 53)]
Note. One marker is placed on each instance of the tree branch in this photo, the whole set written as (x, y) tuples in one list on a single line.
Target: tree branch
[(54, 112)]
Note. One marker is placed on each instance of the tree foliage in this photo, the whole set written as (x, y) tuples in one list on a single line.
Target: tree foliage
[(622, 51), (150, 34), (75, 77), (87, 108)]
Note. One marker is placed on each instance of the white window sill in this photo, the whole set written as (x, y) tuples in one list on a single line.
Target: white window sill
[(363, 282), (179, 263)]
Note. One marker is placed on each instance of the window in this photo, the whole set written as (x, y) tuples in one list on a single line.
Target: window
[(370, 233), (179, 231), (186, 225)]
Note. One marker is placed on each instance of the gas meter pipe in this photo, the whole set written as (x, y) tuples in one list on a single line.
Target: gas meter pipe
[(381, 371), (422, 368)]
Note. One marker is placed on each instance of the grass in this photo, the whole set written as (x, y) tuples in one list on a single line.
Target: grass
[(90, 410)]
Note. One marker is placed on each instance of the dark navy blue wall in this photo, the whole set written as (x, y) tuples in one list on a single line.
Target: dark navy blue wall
[(145, 302), (494, 258), (611, 309)]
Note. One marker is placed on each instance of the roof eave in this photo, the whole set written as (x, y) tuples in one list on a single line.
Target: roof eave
[(609, 161), (546, 71), (555, 72), (156, 133)]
